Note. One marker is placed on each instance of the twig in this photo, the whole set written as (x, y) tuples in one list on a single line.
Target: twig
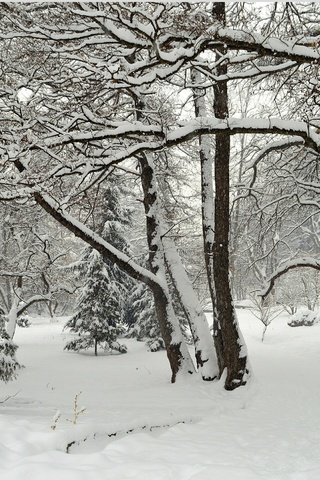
[(9, 396)]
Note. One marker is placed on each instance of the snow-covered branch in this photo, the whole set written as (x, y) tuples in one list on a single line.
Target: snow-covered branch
[(96, 241), (273, 147), (234, 126), (251, 72), (265, 45), (190, 130), (286, 267), (34, 299), (124, 129)]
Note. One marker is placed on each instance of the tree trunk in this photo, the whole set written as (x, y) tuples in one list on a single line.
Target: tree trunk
[(13, 313), (234, 350), (203, 341), (264, 332), (235, 222), (171, 333), (12, 317), (96, 347), (49, 307), (177, 352), (207, 211)]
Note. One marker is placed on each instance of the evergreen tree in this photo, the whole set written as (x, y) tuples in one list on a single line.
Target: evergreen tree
[(98, 321), (145, 327), (8, 362)]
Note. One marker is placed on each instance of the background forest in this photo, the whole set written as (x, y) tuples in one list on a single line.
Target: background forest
[(156, 160)]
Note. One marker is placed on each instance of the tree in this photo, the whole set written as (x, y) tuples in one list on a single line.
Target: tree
[(144, 327), (230, 347), (30, 261), (8, 363), (98, 321)]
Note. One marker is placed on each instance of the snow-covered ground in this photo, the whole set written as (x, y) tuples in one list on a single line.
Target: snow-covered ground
[(267, 430)]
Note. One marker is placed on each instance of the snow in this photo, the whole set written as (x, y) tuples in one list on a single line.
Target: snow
[(271, 44), (255, 71), (268, 430), (203, 125), (124, 128)]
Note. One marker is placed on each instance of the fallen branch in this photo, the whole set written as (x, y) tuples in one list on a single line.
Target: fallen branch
[(149, 428), (8, 397)]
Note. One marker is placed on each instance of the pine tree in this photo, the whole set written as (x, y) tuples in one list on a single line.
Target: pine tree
[(145, 327), (8, 363), (98, 321)]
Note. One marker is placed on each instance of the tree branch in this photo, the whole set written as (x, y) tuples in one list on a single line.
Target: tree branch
[(290, 265)]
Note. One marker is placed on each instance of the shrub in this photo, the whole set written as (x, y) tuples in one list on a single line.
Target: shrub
[(304, 318)]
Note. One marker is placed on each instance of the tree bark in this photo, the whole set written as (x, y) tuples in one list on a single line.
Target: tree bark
[(207, 211), (13, 313), (12, 316), (162, 254), (177, 352), (234, 350), (171, 333), (203, 341)]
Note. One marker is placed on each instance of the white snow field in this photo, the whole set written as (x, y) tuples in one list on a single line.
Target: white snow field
[(268, 430)]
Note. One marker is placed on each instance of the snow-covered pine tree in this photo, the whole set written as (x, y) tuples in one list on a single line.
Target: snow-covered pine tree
[(145, 326), (98, 321), (8, 363)]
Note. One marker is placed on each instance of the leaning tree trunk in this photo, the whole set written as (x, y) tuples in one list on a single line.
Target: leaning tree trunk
[(207, 210), (177, 352), (12, 317), (234, 350), (162, 252), (171, 333), (203, 341)]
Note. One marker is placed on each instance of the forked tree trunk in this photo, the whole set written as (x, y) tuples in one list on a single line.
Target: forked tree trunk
[(159, 255), (162, 254), (234, 350)]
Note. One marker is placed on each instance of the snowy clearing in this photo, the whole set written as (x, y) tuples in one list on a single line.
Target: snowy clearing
[(267, 430)]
